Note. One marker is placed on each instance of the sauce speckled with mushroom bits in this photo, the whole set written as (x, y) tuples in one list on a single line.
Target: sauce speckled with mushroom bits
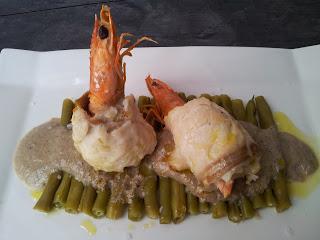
[(300, 189), (49, 147)]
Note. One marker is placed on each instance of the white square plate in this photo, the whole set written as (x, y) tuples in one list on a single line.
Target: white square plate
[(33, 85)]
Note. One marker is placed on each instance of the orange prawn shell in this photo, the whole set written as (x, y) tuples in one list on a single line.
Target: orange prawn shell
[(106, 75), (107, 70), (165, 98)]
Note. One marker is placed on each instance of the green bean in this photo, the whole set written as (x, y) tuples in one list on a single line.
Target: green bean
[(219, 209), (99, 206), (234, 212), (191, 97), (115, 209), (142, 101), (216, 99), (146, 170), (45, 202), (206, 95), (282, 164), (61, 195), (66, 113), (204, 207), (280, 188), (182, 95), (151, 119), (81, 200), (258, 201), (251, 112), (226, 103), (247, 210), (150, 191), (74, 196), (87, 200), (269, 197), (165, 200), (150, 197), (116, 205), (135, 209), (238, 110), (192, 203), (264, 113), (178, 201), (281, 192)]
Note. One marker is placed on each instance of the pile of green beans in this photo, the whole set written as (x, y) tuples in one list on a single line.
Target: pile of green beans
[(165, 198), (64, 191)]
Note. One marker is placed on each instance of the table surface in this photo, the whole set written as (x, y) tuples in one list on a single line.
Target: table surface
[(55, 25)]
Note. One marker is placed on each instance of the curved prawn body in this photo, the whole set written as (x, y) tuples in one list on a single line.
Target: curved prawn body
[(208, 141), (107, 70)]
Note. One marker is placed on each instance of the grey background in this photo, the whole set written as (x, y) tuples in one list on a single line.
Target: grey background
[(54, 25)]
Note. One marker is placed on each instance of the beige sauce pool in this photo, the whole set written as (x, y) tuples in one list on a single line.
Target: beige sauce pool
[(300, 189)]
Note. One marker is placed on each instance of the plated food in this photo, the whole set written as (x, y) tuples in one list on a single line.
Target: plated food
[(166, 156)]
